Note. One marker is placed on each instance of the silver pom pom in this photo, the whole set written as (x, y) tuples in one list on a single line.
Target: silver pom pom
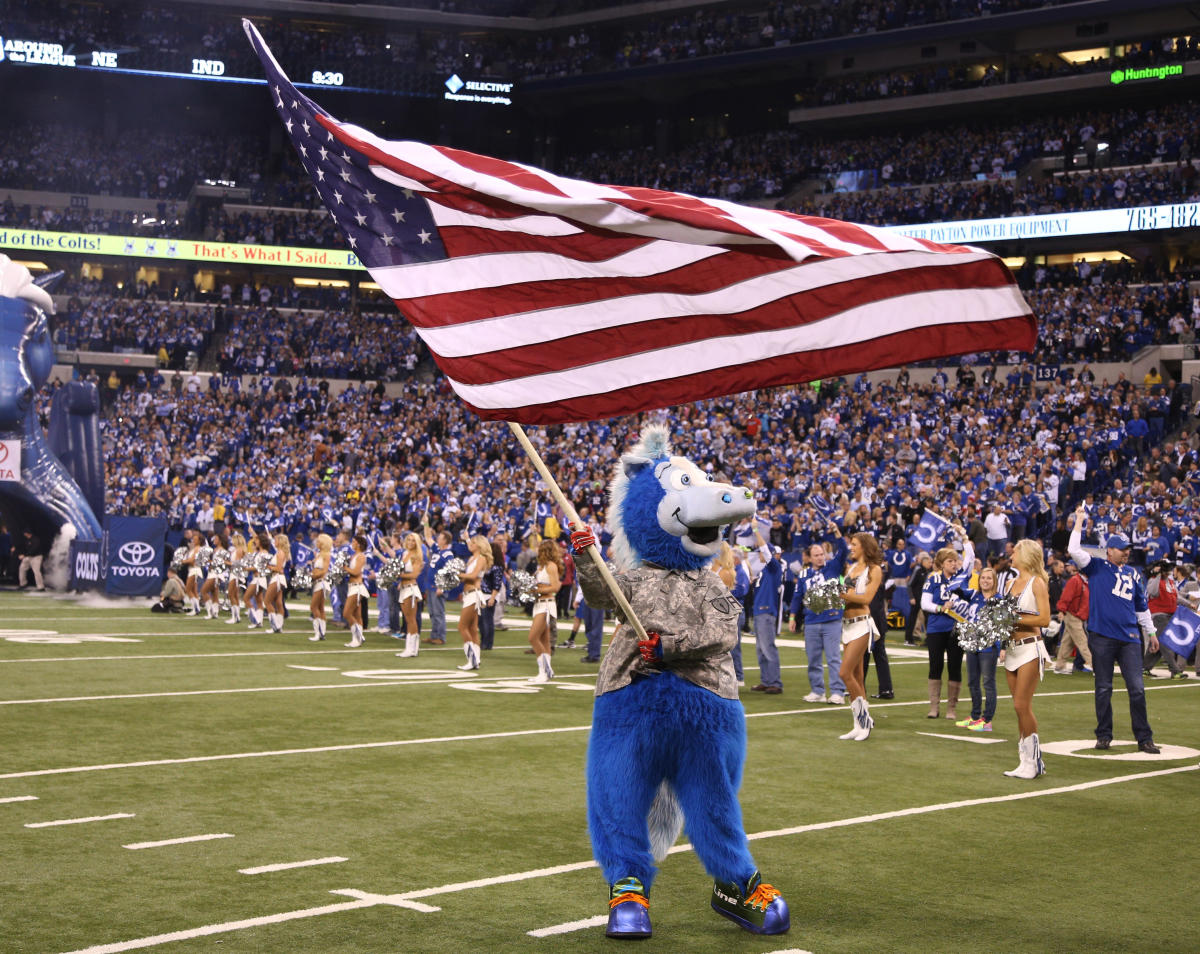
[(523, 586), (337, 569), (447, 577), (390, 572), (825, 596), (204, 557), (994, 623), (302, 578)]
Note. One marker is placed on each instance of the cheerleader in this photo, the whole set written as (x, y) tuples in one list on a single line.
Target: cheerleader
[(468, 620), (545, 609), (254, 581), (209, 594), (863, 579), (323, 545), (1025, 655), (409, 594), (191, 589), (277, 582), (237, 553), (946, 584), (356, 591)]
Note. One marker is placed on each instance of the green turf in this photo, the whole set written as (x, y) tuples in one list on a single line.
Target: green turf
[(1107, 868)]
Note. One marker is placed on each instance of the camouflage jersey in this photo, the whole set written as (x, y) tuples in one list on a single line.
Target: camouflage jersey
[(692, 611)]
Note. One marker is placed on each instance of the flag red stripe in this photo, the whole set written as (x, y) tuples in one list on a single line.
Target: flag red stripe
[(677, 207), (436, 311), (1018, 332), (500, 169), (460, 240), (793, 311)]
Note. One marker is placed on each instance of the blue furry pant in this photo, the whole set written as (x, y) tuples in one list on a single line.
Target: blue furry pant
[(664, 728)]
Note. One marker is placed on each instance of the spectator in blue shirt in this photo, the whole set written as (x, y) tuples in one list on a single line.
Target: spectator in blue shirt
[(822, 631), (1117, 608), (767, 590)]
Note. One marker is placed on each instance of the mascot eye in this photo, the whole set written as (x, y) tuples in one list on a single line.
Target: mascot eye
[(678, 480), (685, 479)]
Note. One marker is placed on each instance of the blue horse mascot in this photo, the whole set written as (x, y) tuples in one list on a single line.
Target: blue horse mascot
[(668, 739), (47, 497)]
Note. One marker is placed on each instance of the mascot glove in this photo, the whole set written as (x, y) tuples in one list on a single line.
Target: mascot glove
[(581, 537), (651, 649)]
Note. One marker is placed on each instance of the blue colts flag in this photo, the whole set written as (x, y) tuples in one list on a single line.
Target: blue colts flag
[(1182, 632), (302, 555), (822, 505), (929, 533)]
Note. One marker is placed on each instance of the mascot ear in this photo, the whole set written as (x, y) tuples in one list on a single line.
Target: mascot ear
[(633, 463)]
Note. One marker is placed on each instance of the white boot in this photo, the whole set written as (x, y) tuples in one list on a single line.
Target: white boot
[(545, 673), (318, 631), (412, 645), (470, 663), (356, 636), (235, 614), (1031, 759), (863, 723)]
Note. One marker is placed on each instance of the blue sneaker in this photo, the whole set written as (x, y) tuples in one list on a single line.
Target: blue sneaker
[(760, 909), (628, 910)]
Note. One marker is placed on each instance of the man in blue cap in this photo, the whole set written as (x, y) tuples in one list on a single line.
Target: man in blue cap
[(1117, 608)]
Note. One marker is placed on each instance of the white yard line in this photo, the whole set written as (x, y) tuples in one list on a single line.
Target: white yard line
[(570, 926), (307, 751), (139, 845), (391, 899), (225, 928), (370, 900), (289, 865), (18, 798), (78, 821), (978, 740), (271, 753)]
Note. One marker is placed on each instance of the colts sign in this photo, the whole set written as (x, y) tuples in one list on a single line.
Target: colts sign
[(10, 460)]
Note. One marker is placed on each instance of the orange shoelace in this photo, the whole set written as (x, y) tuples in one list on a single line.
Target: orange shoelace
[(631, 896), (762, 896)]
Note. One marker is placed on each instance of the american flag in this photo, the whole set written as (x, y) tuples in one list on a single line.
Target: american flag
[(545, 299)]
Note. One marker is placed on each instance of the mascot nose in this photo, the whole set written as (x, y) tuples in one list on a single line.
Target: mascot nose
[(727, 498)]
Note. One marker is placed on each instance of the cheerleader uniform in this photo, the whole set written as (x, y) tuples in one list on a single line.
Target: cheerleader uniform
[(545, 604), (408, 591), (853, 628), (1017, 652)]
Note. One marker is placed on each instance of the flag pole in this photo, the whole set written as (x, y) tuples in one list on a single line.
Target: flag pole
[(573, 517)]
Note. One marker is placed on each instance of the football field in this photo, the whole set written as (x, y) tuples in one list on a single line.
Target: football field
[(177, 784)]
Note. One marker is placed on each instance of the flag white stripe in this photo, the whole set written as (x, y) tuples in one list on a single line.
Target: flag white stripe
[(548, 324), (497, 269), (587, 202), (853, 326), (538, 225)]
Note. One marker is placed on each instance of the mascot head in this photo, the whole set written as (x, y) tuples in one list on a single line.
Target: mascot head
[(26, 350), (666, 510)]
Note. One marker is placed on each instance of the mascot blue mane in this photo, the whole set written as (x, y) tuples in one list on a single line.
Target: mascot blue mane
[(667, 511)]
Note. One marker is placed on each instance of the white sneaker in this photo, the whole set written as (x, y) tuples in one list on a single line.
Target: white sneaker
[(836, 700), (813, 697)]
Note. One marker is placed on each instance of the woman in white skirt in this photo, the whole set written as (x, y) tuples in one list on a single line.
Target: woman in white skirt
[(473, 598), (277, 582), (1024, 654), (863, 578), (191, 588), (237, 553), (409, 594), (356, 590), (548, 580), (323, 545)]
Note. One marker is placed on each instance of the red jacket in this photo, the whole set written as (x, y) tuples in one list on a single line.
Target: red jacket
[(1074, 599), (1167, 600)]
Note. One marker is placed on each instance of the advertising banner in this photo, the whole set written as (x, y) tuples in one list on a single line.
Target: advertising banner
[(87, 569), (135, 555), (10, 460)]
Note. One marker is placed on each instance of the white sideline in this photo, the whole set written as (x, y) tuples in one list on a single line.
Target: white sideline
[(349, 747), (139, 845), (393, 743), (370, 900), (79, 821), (288, 865)]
